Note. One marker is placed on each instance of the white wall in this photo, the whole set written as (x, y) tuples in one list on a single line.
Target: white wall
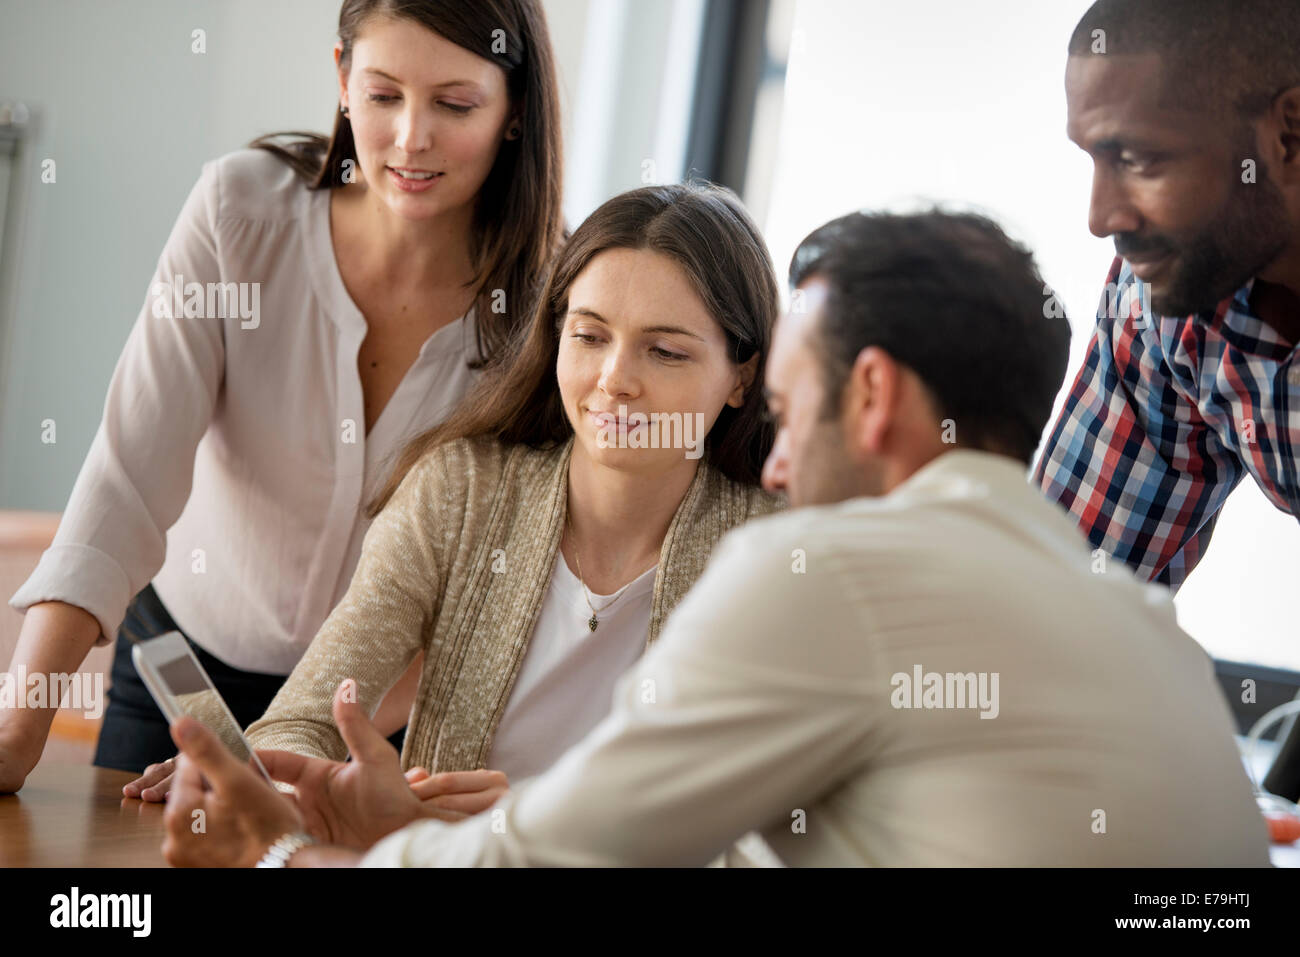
[(129, 114)]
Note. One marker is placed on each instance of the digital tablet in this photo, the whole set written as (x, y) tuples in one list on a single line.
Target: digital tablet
[(179, 684)]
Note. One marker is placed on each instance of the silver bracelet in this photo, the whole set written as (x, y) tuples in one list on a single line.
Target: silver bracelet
[(278, 854)]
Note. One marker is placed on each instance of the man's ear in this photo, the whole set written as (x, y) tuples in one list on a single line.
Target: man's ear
[(748, 369), (871, 398), (1286, 116)]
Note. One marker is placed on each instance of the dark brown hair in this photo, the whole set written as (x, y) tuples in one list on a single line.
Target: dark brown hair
[(1227, 57), (707, 232), (953, 298), (518, 222)]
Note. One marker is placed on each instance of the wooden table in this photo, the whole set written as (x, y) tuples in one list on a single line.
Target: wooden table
[(74, 815)]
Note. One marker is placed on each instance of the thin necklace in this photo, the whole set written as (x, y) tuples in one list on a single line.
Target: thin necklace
[(593, 621)]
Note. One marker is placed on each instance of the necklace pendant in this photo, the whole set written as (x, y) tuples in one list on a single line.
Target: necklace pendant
[(591, 623)]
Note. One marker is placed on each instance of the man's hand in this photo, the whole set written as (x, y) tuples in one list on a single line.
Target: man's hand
[(355, 803), (349, 804), (227, 820)]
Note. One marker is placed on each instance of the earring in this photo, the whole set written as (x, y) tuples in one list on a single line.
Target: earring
[(514, 132), (344, 110)]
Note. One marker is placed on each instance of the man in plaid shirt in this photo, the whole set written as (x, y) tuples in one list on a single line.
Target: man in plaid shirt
[(1190, 110)]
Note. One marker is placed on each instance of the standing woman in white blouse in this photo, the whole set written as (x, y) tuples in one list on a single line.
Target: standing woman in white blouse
[(315, 307)]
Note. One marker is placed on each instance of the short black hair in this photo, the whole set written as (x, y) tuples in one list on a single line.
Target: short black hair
[(951, 297), (1231, 57)]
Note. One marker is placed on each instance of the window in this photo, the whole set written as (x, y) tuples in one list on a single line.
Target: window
[(896, 105)]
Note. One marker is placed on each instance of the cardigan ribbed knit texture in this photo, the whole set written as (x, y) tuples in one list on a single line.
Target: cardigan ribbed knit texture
[(457, 565)]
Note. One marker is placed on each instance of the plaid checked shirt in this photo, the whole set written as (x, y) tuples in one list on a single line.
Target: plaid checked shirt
[(1164, 419)]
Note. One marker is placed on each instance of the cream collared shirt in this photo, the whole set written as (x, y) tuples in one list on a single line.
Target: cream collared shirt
[(934, 677)]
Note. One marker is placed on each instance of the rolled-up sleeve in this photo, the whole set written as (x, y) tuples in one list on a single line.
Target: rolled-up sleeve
[(136, 478), (722, 728)]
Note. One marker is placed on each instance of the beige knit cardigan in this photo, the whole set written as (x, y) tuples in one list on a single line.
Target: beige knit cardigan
[(457, 565)]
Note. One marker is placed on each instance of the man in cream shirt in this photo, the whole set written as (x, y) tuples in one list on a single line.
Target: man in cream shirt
[(924, 666)]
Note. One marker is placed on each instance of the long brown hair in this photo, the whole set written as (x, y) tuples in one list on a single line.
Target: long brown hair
[(707, 232), (518, 221)]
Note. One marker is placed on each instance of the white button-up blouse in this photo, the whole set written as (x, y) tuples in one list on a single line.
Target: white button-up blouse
[(232, 463)]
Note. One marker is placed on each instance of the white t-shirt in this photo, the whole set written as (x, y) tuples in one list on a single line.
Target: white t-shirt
[(232, 463), (566, 683)]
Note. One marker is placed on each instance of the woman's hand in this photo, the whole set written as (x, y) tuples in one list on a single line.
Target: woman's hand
[(153, 784), (16, 762), (457, 792)]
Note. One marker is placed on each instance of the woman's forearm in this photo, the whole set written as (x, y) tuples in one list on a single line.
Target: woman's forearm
[(55, 639), (300, 718), (395, 709), (372, 636)]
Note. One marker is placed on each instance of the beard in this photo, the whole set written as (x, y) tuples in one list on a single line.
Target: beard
[(1248, 233), (826, 473)]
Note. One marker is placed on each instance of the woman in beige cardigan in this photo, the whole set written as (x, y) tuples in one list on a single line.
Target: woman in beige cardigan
[(617, 442)]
